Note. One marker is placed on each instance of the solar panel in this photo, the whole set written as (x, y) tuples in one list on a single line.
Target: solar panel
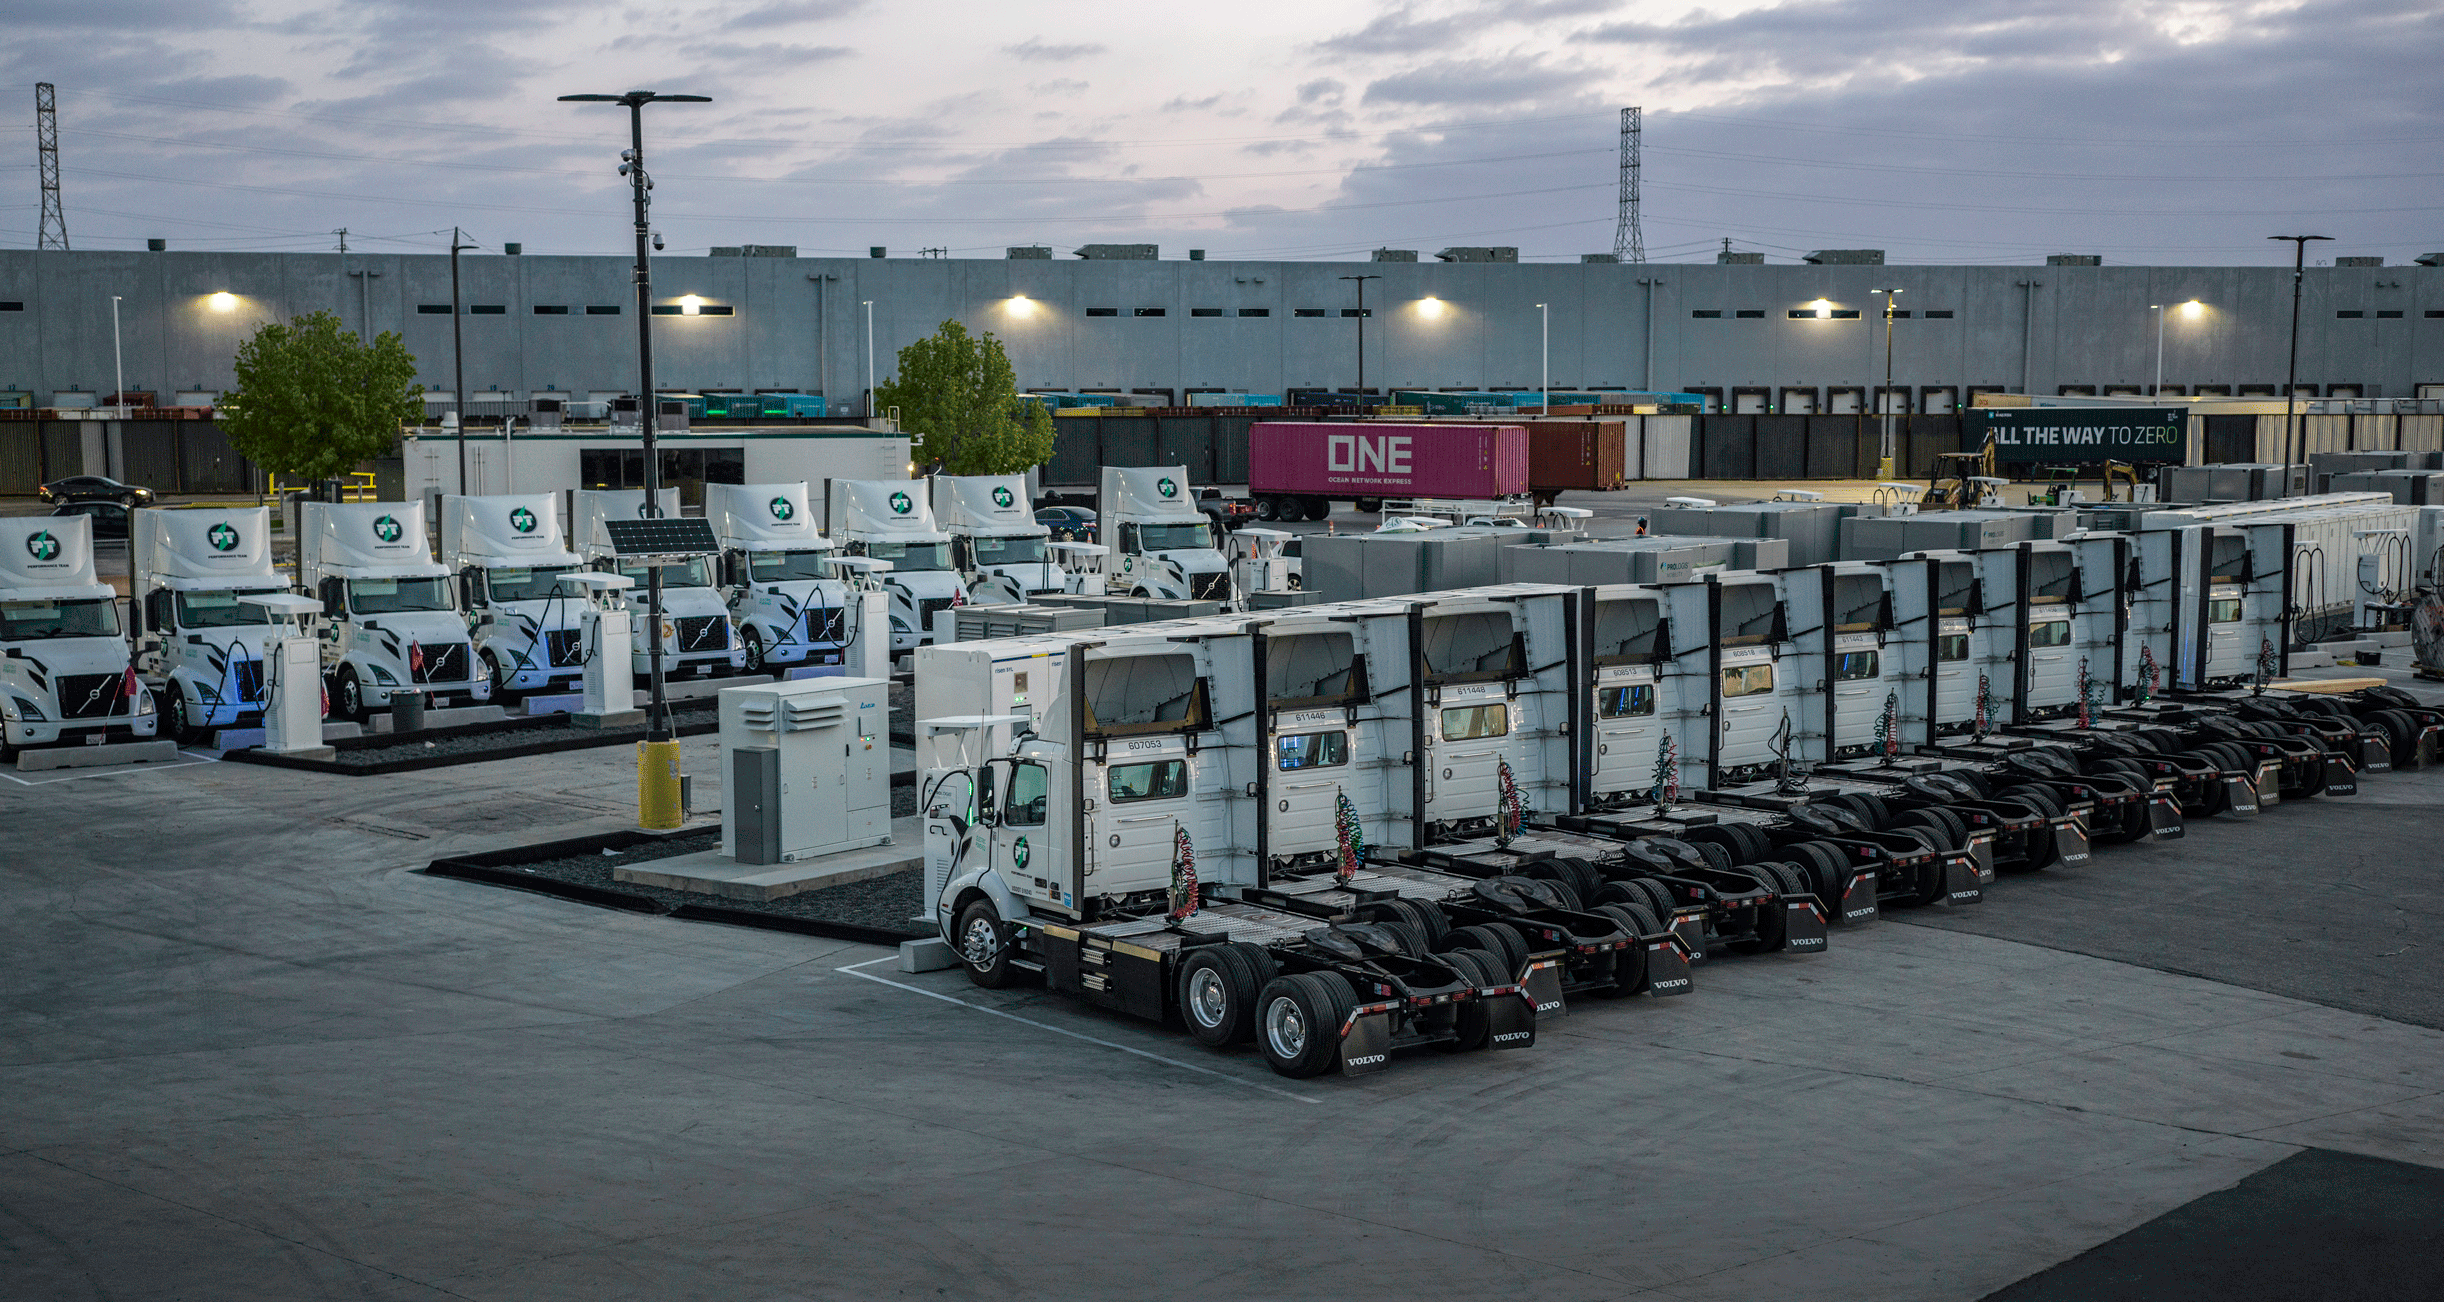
[(667, 535)]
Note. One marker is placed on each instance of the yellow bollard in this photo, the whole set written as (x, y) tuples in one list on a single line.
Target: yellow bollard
[(657, 785), (1883, 468)]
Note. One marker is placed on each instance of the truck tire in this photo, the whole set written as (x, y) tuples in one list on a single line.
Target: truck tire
[(1658, 895), (1268, 508), (1316, 508), (1430, 920), (1716, 856), (177, 717), (983, 943), (1514, 948), (1217, 996), (1369, 505), (752, 643), (1299, 1022), (348, 696), (502, 693), (1472, 1026)]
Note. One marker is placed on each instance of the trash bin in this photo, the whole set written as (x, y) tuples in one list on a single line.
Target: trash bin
[(407, 712)]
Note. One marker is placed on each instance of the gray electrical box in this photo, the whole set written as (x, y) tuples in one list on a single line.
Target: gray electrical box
[(829, 742), (753, 797)]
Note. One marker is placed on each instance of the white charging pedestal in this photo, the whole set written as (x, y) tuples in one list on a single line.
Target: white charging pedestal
[(603, 632), (292, 677), (868, 653)]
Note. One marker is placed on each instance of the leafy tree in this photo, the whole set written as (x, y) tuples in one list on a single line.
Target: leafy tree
[(313, 402), (957, 395)]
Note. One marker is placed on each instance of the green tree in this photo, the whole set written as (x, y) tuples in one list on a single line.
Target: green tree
[(958, 397), (312, 402)]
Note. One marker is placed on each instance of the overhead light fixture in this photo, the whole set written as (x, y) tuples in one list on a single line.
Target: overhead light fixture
[(690, 305), (1021, 305), (1824, 308), (1429, 306), (223, 301), (2193, 309)]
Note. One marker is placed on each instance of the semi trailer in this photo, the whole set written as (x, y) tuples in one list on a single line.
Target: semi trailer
[(198, 647), (892, 522), (66, 678), (1297, 469), (511, 559), (390, 616), (791, 608), (698, 639)]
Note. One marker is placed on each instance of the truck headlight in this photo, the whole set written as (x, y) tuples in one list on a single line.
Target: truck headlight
[(144, 701), (381, 675), (899, 625), (13, 708)]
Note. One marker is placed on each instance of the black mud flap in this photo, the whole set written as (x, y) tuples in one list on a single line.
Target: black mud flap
[(2426, 752), (1962, 882), (1513, 1020), (1367, 1045), (2340, 778), (1543, 985), (2269, 784), (2240, 796), (1982, 845), (1667, 967), (1690, 926), (2375, 755), (1803, 926), (2164, 818), (2071, 841), (1858, 898)]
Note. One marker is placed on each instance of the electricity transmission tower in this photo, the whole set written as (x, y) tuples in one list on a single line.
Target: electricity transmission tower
[(1628, 243), (46, 143)]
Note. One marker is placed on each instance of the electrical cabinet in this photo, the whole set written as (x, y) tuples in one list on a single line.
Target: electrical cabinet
[(827, 785)]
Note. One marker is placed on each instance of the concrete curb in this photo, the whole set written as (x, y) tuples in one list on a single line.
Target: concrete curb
[(38, 759)]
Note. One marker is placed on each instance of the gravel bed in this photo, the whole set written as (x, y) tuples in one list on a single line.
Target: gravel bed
[(393, 748), (885, 903)]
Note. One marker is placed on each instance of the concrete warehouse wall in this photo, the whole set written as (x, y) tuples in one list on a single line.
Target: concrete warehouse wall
[(796, 323)]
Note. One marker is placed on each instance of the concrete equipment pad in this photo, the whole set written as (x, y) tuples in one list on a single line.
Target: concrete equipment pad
[(710, 873), (37, 759)]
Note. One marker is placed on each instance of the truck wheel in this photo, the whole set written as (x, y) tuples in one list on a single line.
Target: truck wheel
[(1268, 508), (1471, 1025), (984, 945), (1218, 996), (502, 693), (1299, 1022), (1370, 505), (753, 643), (179, 717), (349, 700), (1317, 508)]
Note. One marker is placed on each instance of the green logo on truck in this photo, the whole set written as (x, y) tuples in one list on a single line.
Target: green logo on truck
[(386, 528), (1165, 487), (901, 504), (222, 537), (1002, 497), (42, 546), (1018, 853), (522, 520), (781, 509)]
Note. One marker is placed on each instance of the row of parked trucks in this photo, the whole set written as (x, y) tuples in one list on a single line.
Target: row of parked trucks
[(1343, 830)]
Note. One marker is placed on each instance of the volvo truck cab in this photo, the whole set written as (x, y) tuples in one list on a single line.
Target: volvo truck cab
[(792, 608), (891, 520), (198, 647), (697, 637), (1493, 709), (1630, 714), (1748, 698), (65, 675), (514, 569), (1851, 681), (390, 621), (1161, 545), (1004, 557)]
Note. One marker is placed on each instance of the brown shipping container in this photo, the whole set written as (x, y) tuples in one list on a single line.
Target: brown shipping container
[(1564, 454)]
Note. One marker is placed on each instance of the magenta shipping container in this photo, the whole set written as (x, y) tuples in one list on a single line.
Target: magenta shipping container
[(1351, 461)]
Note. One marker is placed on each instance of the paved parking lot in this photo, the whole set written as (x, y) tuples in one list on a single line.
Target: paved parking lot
[(251, 1053)]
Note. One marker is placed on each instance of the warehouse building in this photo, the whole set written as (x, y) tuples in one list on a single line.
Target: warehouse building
[(1753, 338)]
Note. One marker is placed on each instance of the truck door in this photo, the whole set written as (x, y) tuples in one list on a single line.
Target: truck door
[(1471, 726), (1310, 752), (1628, 729), (1858, 689), (1955, 675), (1136, 817), (1754, 704)]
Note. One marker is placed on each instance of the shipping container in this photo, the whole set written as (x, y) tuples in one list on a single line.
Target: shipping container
[(1566, 454), (1313, 463)]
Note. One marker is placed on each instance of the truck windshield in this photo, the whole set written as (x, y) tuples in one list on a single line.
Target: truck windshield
[(1028, 550), (25, 621), (1172, 537), (217, 610), (507, 584), (397, 596), (784, 567), (690, 573), (911, 556)]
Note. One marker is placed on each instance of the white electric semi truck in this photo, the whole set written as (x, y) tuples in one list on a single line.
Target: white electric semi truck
[(1161, 545), (698, 639), (198, 647), (1003, 555), (390, 618), (891, 520), (511, 559), (65, 676), (792, 609)]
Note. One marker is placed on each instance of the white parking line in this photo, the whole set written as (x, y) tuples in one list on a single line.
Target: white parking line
[(1041, 1026), (193, 758)]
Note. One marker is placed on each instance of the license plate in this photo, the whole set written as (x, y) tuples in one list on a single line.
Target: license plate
[(95, 738)]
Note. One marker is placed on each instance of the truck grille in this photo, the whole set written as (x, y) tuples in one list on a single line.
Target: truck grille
[(703, 633), (565, 647), (926, 607), (248, 676), (1209, 587), (89, 696), (446, 663), (828, 624)]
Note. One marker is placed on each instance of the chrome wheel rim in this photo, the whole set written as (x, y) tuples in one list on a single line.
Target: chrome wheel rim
[(1208, 1000), (979, 943), (1285, 1028)]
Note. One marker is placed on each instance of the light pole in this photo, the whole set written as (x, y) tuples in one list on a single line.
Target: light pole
[(118, 362), (1362, 332), (2158, 390), (1544, 386), (1883, 397), (869, 306), (2291, 378), (458, 356), (658, 741)]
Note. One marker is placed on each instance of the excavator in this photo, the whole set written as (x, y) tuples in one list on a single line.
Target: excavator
[(2061, 480)]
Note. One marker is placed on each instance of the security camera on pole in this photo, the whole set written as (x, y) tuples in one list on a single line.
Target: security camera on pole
[(657, 772)]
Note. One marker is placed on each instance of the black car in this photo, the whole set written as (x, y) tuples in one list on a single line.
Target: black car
[(109, 518), (1068, 523), (96, 488)]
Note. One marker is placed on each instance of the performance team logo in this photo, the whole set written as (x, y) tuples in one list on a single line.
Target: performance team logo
[(781, 509), (1165, 487), (42, 546), (222, 537), (386, 528), (1018, 853), (522, 520), (900, 504), (1001, 496)]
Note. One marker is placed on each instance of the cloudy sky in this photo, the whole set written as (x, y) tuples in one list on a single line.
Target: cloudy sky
[(2167, 132)]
